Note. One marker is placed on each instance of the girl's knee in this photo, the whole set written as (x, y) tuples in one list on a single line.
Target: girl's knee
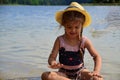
[(52, 75), (45, 75), (86, 75), (96, 78), (48, 75)]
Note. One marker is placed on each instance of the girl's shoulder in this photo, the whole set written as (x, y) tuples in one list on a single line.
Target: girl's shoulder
[(84, 39), (60, 37)]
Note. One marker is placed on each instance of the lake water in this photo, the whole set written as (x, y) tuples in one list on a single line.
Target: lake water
[(27, 34)]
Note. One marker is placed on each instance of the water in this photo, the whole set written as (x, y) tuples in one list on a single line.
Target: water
[(27, 34)]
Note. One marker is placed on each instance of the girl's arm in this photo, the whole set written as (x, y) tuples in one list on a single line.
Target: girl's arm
[(54, 52), (95, 55), (52, 58)]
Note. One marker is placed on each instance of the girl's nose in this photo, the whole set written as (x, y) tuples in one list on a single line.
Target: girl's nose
[(73, 30)]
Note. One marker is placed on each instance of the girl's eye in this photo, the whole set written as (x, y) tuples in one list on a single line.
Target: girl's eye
[(69, 27), (77, 27)]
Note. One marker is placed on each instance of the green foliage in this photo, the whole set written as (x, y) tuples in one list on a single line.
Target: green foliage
[(54, 2)]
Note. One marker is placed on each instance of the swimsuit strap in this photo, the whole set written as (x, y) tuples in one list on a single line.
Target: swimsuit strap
[(82, 45), (62, 44), (82, 48)]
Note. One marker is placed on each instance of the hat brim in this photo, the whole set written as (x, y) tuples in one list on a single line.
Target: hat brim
[(87, 22)]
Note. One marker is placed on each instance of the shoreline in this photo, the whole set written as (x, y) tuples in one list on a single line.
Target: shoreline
[(25, 78)]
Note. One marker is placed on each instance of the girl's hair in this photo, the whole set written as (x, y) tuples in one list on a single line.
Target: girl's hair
[(70, 16)]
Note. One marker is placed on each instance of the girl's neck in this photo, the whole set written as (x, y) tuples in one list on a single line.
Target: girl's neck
[(71, 41)]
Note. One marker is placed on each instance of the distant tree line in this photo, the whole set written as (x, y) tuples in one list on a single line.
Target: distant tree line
[(54, 2)]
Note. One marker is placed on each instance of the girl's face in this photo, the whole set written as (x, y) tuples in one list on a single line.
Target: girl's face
[(73, 29)]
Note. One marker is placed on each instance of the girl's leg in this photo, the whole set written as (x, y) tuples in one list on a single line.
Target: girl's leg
[(86, 75), (54, 76)]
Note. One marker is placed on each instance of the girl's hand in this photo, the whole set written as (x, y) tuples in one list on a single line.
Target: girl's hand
[(95, 73), (55, 65)]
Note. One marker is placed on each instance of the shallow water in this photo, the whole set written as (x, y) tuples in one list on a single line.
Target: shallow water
[(27, 34)]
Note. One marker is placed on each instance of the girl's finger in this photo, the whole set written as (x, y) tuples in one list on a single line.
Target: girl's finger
[(60, 65)]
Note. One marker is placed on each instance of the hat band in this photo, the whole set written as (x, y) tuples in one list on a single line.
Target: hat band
[(71, 7)]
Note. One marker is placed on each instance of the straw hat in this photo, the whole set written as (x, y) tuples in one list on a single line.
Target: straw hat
[(74, 6)]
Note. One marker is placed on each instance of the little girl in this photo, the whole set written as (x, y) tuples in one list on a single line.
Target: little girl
[(71, 48)]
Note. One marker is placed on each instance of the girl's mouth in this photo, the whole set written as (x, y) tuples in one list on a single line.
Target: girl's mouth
[(72, 33)]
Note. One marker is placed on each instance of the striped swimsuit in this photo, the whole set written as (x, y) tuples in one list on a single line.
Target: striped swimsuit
[(70, 57)]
